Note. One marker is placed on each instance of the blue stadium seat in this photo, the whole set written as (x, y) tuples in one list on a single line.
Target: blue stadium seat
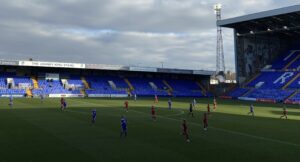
[(284, 60), (276, 94), (238, 92), (273, 79), (276, 84)]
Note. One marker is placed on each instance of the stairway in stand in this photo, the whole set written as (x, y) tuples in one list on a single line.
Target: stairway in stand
[(28, 92), (86, 84), (170, 89), (291, 81), (203, 90), (35, 82)]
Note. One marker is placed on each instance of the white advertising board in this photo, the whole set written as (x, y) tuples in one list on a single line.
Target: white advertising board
[(65, 95), (143, 69), (107, 95), (52, 64)]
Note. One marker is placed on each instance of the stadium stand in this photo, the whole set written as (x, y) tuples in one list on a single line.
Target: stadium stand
[(280, 83), (296, 64), (12, 91), (148, 87), (184, 88), (50, 87), (273, 94), (295, 98), (296, 83), (267, 80), (104, 85), (22, 80), (17, 85), (238, 92), (3, 82), (76, 81), (285, 59)]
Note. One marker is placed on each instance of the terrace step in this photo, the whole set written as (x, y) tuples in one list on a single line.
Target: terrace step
[(153, 86), (112, 85), (250, 80), (28, 92), (82, 91), (168, 85), (129, 84), (86, 84), (169, 92), (129, 92), (291, 81), (203, 90), (35, 82), (293, 94), (248, 92), (291, 62)]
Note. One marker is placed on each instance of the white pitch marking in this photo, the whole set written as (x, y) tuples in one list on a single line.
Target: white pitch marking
[(218, 129), (236, 133)]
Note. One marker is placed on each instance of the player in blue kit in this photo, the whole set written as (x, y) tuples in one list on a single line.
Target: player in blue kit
[(94, 114), (251, 111), (11, 101), (64, 105), (123, 127), (42, 98)]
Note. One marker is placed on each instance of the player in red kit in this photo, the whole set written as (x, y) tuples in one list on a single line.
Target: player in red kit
[(208, 108), (126, 105), (185, 130), (62, 101), (215, 103), (205, 122), (153, 113)]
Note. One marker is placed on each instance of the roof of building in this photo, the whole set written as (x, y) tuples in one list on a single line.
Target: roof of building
[(282, 18), (103, 67)]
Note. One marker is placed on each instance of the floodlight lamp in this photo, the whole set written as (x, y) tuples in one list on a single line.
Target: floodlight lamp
[(218, 6)]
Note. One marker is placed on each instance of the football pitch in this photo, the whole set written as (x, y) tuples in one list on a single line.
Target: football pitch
[(35, 131)]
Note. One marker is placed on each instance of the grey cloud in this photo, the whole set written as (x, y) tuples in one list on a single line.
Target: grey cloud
[(180, 33)]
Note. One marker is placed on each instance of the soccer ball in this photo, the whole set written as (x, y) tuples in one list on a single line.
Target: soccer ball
[(205, 129), (188, 140)]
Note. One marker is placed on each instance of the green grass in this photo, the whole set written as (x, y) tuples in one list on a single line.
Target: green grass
[(35, 131)]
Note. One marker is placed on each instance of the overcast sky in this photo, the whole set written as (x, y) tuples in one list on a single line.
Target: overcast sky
[(180, 33)]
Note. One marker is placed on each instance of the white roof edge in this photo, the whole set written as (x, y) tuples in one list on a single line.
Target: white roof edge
[(51, 64), (259, 15)]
